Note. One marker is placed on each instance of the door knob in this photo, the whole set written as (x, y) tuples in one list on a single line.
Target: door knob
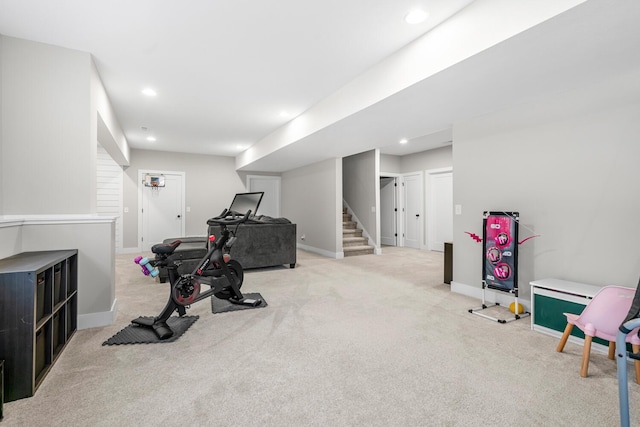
[(179, 216), (417, 215)]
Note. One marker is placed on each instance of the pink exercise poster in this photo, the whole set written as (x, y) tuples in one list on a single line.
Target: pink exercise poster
[(500, 250)]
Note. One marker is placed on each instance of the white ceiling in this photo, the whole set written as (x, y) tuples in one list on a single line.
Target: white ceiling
[(224, 70)]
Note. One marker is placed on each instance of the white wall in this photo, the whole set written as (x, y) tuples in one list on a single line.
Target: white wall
[(106, 124), (312, 198), (210, 182), (1, 128), (389, 164), (574, 178), (10, 238), (109, 191), (50, 98), (48, 153), (96, 284), (425, 160)]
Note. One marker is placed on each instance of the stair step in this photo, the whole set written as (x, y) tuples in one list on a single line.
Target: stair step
[(346, 217), (357, 250), (354, 241), (349, 224), (351, 232)]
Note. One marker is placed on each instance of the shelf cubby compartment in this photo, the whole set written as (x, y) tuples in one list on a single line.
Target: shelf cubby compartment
[(43, 354), (59, 330), (72, 275), (71, 315), (59, 285), (38, 314)]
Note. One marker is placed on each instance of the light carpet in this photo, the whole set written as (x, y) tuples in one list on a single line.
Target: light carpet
[(362, 341)]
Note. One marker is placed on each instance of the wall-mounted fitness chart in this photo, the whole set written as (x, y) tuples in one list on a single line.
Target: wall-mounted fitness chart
[(500, 260)]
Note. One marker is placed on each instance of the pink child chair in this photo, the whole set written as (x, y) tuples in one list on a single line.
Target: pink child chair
[(601, 318)]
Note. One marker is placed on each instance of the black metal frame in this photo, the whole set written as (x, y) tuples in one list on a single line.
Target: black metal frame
[(223, 275), (492, 283)]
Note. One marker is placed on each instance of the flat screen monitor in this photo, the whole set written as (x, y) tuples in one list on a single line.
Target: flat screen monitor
[(242, 202)]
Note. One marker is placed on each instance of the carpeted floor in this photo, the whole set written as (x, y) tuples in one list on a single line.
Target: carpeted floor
[(362, 341)]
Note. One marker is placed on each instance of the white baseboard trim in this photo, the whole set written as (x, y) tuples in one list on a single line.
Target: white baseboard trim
[(96, 320), (491, 296), (323, 252)]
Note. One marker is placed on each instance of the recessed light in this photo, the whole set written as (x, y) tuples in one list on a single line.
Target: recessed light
[(151, 138), (416, 16), (284, 114), (403, 141), (149, 92)]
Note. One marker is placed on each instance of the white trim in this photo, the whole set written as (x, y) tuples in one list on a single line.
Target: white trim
[(439, 170), (398, 218), (141, 173), (18, 220), (6, 223), (323, 252), (378, 243), (96, 320)]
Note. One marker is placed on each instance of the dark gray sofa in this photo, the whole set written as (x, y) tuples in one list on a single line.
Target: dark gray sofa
[(261, 242)]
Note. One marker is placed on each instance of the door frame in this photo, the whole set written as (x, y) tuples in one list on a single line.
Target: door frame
[(430, 206), (141, 174), (403, 204), (397, 207)]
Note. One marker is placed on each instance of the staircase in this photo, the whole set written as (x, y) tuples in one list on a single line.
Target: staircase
[(352, 241)]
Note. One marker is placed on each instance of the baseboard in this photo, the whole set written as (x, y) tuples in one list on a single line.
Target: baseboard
[(96, 320), (491, 296), (323, 252)]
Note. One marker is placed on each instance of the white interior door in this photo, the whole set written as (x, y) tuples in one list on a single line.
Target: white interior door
[(162, 211), (413, 215), (270, 185), (441, 210), (388, 211)]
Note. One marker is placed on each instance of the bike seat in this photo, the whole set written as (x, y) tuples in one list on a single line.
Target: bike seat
[(165, 248)]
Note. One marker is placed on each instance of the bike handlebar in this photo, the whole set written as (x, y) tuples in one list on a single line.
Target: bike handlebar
[(229, 217)]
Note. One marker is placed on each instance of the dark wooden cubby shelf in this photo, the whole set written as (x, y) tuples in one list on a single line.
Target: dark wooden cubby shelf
[(38, 314)]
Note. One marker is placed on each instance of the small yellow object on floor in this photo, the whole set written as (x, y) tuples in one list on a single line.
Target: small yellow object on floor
[(512, 308)]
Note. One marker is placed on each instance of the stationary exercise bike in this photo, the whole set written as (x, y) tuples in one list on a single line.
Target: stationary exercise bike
[(217, 270)]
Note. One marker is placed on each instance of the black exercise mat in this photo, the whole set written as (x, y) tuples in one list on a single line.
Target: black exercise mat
[(222, 305), (136, 334)]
